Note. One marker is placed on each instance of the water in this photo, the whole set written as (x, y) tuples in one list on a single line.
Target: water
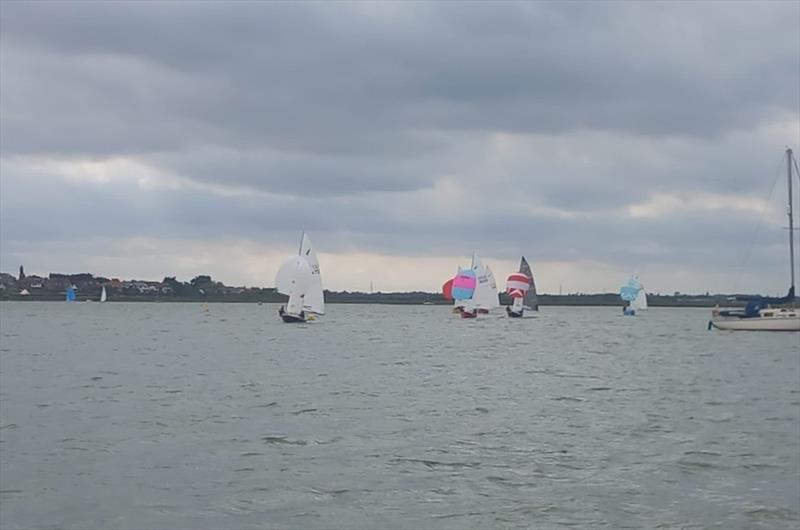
[(174, 416)]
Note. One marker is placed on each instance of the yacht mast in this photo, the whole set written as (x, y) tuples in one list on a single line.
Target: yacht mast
[(791, 219)]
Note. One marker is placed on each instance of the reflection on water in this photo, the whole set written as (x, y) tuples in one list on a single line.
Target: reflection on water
[(171, 416)]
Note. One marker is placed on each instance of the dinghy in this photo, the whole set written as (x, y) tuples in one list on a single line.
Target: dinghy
[(463, 291), (70, 294), (633, 293), (103, 295), (522, 289), (299, 278)]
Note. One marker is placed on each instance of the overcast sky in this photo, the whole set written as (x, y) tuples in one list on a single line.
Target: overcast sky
[(147, 139)]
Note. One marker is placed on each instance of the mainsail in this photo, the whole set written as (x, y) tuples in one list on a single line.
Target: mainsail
[(103, 295), (640, 303), (485, 296), (531, 299), (314, 299)]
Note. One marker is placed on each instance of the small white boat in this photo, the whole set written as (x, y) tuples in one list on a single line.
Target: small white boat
[(299, 278), (761, 313), (103, 295)]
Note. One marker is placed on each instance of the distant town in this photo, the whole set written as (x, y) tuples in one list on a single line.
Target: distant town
[(203, 288)]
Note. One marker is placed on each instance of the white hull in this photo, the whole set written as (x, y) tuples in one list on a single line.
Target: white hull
[(778, 323)]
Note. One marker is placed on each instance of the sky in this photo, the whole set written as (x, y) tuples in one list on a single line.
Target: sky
[(599, 139)]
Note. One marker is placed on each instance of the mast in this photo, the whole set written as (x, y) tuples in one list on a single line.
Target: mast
[(791, 219), (300, 250)]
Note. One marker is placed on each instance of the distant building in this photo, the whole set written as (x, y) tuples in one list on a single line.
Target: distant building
[(142, 287), (31, 282), (21, 273), (57, 283), (83, 277)]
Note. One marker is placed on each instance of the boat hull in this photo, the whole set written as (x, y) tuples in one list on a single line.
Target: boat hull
[(757, 324), (513, 314), (290, 318)]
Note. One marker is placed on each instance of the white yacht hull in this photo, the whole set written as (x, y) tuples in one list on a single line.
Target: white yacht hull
[(775, 323)]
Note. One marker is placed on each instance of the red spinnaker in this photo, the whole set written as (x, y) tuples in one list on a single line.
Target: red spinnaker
[(447, 289)]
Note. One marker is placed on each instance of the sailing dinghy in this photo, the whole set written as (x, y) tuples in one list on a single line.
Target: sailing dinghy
[(103, 295), (299, 278), (463, 291), (522, 289), (633, 293), (474, 290)]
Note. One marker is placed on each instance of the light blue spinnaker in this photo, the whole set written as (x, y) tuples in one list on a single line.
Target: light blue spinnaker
[(630, 291), (70, 294)]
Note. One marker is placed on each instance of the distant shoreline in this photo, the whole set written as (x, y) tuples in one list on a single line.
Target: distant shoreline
[(203, 288), (354, 298)]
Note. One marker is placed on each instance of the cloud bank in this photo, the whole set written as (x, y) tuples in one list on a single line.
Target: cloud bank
[(596, 138)]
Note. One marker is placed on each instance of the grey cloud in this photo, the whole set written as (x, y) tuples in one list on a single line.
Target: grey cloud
[(344, 110), (345, 224), (533, 68)]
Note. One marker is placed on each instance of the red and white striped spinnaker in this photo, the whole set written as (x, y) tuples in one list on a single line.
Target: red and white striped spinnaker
[(517, 285)]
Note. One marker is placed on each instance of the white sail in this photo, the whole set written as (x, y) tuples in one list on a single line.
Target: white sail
[(103, 295), (315, 298), (640, 303), (294, 279), (486, 296), (286, 277)]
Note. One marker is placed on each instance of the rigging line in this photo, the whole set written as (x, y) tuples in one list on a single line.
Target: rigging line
[(748, 252)]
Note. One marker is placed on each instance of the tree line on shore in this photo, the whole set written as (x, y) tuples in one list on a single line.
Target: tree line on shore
[(204, 288)]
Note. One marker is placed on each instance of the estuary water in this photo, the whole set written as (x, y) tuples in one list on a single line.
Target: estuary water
[(176, 416)]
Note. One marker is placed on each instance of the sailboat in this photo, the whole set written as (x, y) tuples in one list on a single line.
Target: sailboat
[(486, 296), (522, 289), (759, 314), (463, 291), (633, 293), (474, 290), (299, 278), (103, 295), (70, 294)]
